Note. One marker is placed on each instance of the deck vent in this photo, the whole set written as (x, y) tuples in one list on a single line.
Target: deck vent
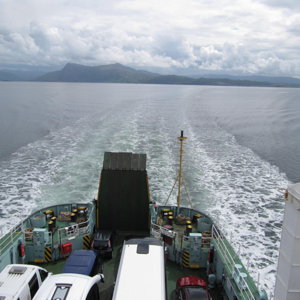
[(17, 270), (61, 291)]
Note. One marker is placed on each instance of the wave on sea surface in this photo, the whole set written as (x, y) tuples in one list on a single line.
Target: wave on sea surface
[(246, 200)]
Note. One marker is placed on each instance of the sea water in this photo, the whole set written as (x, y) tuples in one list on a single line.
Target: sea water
[(242, 151)]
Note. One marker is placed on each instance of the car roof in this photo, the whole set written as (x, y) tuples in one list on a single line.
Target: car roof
[(13, 277), (195, 293), (80, 262), (142, 262), (78, 286)]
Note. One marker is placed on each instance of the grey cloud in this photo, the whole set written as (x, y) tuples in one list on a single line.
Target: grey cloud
[(294, 25), (172, 46), (16, 48), (39, 37), (289, 4)]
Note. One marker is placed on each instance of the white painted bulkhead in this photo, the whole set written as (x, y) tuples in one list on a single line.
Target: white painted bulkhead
[(288, 272)]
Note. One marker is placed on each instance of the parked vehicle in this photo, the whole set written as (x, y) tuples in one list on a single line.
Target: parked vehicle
[(141, 273), (70, 287), (102, 242), (21, 282), (85, 262), (191, 287)]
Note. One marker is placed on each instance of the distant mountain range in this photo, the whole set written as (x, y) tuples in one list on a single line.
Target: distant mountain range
[(19, 75), (117, 73)]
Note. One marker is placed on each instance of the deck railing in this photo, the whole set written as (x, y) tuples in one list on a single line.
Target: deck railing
[(10, 238), (157, 230), (244, 286), (181, 240), (73, 231)]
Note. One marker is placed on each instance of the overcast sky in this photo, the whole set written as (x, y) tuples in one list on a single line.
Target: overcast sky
[(250, 36)]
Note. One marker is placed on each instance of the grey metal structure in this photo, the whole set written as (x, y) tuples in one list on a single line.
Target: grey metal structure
[(123, 198), (288, 272)]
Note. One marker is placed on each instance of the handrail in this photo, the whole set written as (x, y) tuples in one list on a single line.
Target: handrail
[(157, 229), (229, 262), (8, 239), (73, 231)]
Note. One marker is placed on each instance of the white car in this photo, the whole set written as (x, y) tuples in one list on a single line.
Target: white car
[(21, 282), (69, 286)]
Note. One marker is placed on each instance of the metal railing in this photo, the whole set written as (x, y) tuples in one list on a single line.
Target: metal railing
[(230, 261), (181, 239), (157, 230), (72, 231), (10, 238)]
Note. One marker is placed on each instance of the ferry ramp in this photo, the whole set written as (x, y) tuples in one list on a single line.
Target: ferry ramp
[(123, 196)]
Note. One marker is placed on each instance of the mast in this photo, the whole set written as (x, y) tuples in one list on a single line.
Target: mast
[(181, 139), (180, 178)]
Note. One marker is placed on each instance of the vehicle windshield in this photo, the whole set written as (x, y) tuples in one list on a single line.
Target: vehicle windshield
[(101, 244)]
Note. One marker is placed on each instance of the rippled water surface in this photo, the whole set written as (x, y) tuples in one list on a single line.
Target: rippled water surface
[(242, 151)]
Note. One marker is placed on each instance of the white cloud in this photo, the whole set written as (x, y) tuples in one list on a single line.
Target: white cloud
[(219, 35)]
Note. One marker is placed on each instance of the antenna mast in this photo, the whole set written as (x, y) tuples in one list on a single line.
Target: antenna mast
[(181, 139), (180, 178)]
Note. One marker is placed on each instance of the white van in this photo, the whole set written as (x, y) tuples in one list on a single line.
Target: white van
[(21, 282), (141, 273), (70, 286)]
